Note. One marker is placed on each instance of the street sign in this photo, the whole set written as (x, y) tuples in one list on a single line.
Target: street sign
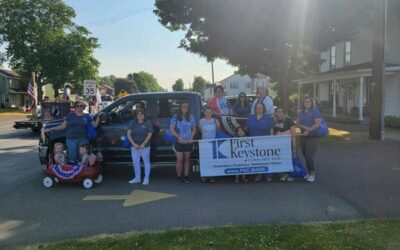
[(89, 88)]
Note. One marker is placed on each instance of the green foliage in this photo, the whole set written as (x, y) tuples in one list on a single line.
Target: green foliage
[(145, 82), (108, 80), (40, 36), (178, 86), (361, 234), (199, 85), (392, 121)]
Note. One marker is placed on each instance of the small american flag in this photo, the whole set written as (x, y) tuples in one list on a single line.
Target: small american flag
[(99, 156), (92, 159)]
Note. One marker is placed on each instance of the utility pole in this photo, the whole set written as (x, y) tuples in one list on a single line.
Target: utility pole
[(376, 125), (212, 77)]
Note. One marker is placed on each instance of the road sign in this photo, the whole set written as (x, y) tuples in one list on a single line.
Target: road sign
[(89, 88)]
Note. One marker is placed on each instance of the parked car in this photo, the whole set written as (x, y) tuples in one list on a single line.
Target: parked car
[(160, 107)]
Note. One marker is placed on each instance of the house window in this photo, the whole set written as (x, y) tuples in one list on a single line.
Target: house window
[(248, 85), (347, 53), (333, 57), (234, 85)]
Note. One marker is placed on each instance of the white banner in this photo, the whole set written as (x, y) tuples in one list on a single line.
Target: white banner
[(245, 155)]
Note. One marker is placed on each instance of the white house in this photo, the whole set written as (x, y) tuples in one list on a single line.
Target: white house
[(13, 93), (237, 83), (344, 82)]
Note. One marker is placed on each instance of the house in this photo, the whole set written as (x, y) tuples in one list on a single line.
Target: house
[(13, 93), (237, 83), (106, 90), (344, 82)]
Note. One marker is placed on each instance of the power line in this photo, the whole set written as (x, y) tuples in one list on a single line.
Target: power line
[(116, 18)]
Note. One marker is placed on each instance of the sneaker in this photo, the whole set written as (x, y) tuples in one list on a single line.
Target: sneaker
[(146, 181), (311, 178), (135, 180), (186, 180), (289, 179), (306, 177), (258, 178), (284, 177), (180, 180), (268, 178)]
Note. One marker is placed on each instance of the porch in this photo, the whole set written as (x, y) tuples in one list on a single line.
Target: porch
[(346, 93)]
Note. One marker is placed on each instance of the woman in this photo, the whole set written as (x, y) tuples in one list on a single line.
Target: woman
[(309, 120), (284, 125), (219, 104), (76, 133), (183, 127), (208, 127), (242, 106), (260, 124), (139, 134)]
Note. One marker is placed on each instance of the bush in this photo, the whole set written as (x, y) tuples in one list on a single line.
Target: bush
[(392, 121)]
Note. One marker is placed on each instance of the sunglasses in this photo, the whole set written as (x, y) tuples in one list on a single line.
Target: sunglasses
[(242, 96), (80, 106)]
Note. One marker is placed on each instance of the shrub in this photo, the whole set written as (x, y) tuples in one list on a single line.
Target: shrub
[(392, 121)]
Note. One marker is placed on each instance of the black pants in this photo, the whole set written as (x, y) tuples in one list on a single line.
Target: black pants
[(309, 146)]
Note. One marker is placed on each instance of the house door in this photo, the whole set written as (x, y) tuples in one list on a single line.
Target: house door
[(350, 97)]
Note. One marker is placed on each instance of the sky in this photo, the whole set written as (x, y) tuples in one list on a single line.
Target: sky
[(133, 40)]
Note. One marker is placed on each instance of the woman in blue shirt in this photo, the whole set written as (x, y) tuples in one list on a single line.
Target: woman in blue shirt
[(183, 127), (308, 120), (139, 134), (260, 124), (242, 106)]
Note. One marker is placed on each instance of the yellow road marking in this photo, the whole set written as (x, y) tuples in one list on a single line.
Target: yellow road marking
[(135, 198), (6, 126)]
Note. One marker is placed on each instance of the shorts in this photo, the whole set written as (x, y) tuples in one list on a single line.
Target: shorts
[(178, 147)]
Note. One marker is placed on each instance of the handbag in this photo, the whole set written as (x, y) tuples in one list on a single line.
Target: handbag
[(168, 136), (125, 142), (90, 130), (322, 130), (298, 167)]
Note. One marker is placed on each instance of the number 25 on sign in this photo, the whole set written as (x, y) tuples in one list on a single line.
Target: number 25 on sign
[(89, 88)]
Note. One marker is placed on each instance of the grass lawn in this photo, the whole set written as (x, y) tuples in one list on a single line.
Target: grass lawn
[(361, 234)]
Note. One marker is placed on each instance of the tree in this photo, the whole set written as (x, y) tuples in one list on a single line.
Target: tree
[(178, 86), (199, 85), (146, 82), (40, 37), (279, 38), (108, 80)]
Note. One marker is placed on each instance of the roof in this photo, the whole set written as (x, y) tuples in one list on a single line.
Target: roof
[(106, 87), (258, 76), (349, 72), (9, 73)]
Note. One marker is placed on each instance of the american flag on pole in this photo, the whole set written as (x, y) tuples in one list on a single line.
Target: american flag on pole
[(31, 90)]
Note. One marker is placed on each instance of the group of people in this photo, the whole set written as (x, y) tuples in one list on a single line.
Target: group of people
[(262, 120)]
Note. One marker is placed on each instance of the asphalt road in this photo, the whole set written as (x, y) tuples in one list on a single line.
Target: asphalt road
[(30, 213)]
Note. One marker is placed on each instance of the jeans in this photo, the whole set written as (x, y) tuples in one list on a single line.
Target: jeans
[(145, 154), (73, 148)]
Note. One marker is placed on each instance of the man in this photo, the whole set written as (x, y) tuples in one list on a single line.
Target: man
[(263, 97), (219, 104)]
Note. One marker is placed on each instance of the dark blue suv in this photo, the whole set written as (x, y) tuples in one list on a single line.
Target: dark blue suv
[(160, 107)]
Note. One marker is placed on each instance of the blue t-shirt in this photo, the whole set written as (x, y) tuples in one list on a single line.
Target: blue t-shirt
[(139, 131), (242, 111), (259, 127), (308, 118), (184, 127), (208, 128), (76, 125), (223, 104)]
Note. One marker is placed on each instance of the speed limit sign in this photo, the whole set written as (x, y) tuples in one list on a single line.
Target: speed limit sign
[(89, 88)]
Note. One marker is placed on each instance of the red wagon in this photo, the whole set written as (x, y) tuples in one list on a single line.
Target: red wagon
[(72, 173)]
